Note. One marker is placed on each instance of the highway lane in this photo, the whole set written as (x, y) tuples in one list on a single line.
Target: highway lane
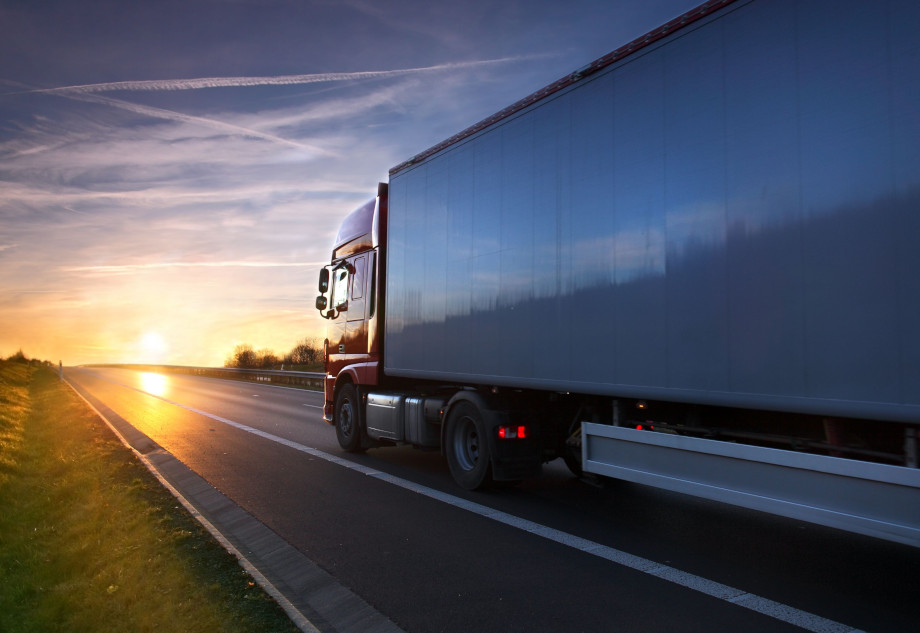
[(429, 566)]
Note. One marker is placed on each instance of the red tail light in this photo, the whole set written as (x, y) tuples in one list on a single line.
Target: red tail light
[(512, 432)]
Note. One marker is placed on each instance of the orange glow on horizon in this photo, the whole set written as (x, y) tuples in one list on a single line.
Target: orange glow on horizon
[(147, 329)]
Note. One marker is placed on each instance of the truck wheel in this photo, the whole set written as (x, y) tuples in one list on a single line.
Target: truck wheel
[(467, 447), (347, 419)]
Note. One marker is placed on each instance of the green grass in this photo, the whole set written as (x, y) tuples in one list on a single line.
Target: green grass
[(90, 541)]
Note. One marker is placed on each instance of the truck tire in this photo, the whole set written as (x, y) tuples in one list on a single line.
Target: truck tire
[(467, 447), (348, 429)]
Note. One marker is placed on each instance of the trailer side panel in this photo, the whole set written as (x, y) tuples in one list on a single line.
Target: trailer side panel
[(728, 216)]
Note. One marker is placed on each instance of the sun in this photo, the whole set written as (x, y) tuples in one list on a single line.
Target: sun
[(153, 347)]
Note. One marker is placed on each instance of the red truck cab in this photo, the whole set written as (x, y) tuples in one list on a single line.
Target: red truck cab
[(351, 298)]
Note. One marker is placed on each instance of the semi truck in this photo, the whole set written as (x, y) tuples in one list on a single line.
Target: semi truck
[(693, 263)]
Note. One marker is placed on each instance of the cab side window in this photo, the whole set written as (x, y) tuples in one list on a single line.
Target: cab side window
[(357, 291), (340, 287)]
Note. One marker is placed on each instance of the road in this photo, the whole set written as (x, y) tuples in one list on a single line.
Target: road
[(536, 557)]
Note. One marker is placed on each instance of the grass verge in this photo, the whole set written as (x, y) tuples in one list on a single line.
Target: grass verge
[(89, 539)]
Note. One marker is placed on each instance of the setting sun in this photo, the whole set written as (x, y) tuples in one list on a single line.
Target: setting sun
[(153, 347)]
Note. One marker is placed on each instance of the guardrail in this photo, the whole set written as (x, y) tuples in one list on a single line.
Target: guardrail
[(307, 379)]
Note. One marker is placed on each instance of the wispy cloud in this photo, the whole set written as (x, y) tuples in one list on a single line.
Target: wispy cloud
[(129, 268), (278, 80), (40, 292)]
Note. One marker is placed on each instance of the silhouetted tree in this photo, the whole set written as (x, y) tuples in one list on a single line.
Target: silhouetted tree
[(267, 359), (243, 357), (306, 352)]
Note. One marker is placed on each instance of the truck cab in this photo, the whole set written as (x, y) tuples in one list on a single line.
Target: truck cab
[(350, 298)]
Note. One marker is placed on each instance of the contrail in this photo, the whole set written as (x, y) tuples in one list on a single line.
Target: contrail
[(86, 93), (171, 115), (279, 80)]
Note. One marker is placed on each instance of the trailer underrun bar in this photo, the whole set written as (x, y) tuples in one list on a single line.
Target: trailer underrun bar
[(876, 500)]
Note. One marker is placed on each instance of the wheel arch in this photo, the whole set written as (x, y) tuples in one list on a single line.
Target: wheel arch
[(347, 375)]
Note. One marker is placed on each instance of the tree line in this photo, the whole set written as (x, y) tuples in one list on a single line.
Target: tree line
[(307, 354), (20, 357)]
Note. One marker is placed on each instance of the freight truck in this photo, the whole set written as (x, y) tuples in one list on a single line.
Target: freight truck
[(693, 263)]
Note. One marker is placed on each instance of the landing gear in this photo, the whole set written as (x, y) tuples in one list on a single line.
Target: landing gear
[(571, 452)]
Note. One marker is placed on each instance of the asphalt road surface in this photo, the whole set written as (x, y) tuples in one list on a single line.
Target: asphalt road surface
[(546, 555)]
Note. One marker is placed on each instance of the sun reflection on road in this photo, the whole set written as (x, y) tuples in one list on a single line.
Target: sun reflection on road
[(154, 384)]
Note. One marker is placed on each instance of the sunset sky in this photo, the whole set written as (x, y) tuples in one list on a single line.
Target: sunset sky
[(172, 173)]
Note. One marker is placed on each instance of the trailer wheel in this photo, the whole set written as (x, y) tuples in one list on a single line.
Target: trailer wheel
[(467, 447), (347, 419)]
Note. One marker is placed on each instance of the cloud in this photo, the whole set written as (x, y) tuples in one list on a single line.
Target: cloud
[(40, 292), (129, 268), (322, 112)]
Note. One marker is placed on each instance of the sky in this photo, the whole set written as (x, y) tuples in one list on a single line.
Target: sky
[(172, 173)]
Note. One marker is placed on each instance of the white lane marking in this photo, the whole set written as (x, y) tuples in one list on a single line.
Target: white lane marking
[(784, 613), (314, 406)]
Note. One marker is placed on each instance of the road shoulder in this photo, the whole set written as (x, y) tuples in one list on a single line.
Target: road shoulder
[(310, 596)]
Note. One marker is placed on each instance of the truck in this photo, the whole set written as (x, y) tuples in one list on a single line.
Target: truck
[(693, 263)]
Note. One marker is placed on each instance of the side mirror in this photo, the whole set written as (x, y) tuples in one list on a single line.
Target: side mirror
[(342, 307), (321, 303), (324, 281)]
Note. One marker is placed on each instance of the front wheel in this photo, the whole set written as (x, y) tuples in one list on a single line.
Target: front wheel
[(347, 419), (467, 447)]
